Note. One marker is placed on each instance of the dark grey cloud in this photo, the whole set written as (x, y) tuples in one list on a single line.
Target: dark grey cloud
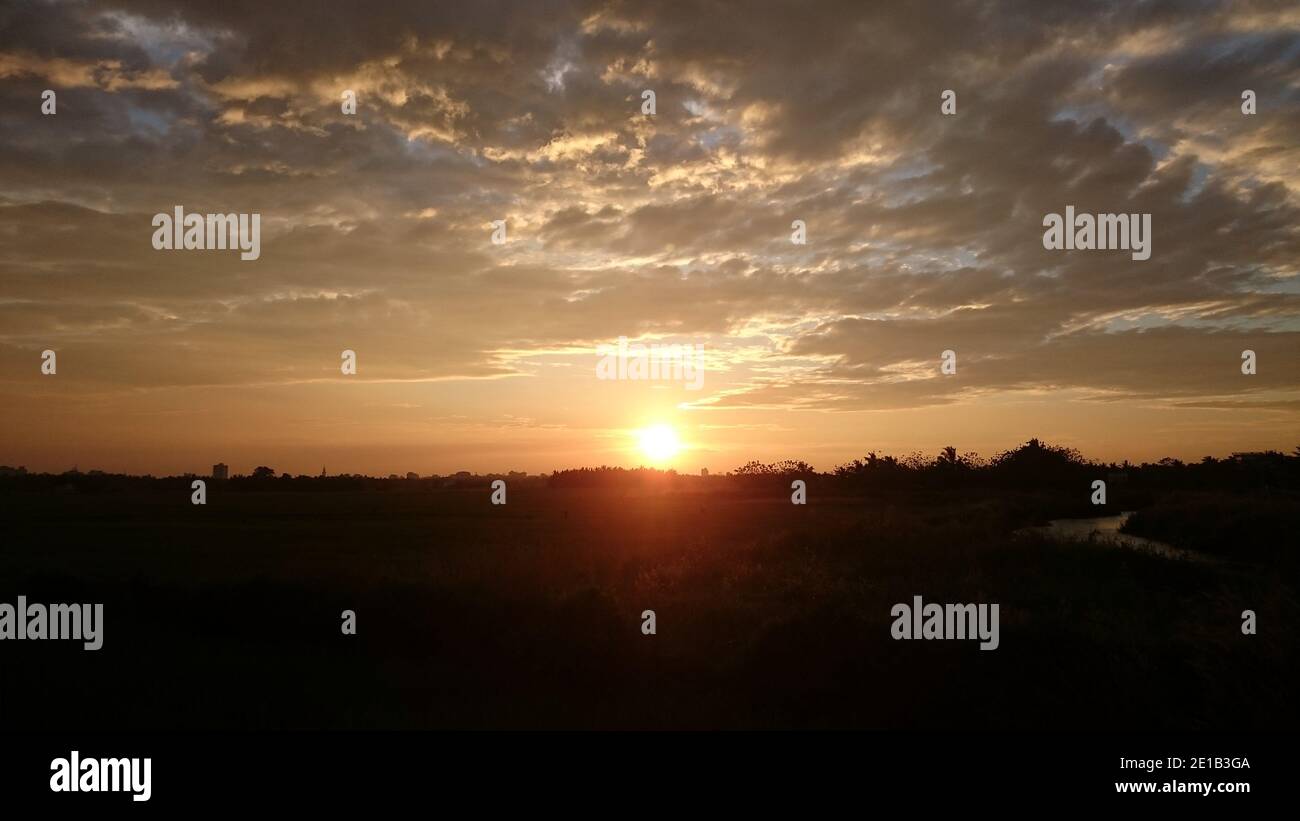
[(924, 230)]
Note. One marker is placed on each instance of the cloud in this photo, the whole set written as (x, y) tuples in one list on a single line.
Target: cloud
[(923, 230)]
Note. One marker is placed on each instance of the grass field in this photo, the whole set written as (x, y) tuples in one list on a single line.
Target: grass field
[(529, 615)]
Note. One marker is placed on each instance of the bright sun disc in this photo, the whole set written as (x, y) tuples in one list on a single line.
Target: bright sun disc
[(659, 443)]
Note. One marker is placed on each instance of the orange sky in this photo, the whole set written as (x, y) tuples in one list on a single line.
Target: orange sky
[(924, 234)]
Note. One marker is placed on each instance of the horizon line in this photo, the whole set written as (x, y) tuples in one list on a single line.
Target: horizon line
[(909, 460)]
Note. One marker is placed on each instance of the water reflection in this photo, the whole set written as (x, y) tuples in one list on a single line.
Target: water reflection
[(1106, 529)]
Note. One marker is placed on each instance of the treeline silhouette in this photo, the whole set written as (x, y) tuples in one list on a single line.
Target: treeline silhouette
[(263, 480), (1034, 465), (1037, 465)]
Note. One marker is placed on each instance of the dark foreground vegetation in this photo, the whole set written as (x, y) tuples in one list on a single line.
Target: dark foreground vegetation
[(768, 614)]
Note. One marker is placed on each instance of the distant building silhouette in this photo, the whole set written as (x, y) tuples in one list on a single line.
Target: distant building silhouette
[(704, 471), (221, 471), (412, 475)]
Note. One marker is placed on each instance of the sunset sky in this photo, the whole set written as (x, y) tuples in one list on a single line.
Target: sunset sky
[(924, 231)]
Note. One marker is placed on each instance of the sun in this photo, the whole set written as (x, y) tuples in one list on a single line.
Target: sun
[(659, 443)]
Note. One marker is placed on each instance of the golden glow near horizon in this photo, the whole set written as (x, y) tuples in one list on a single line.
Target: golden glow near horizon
[(659, 443)]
